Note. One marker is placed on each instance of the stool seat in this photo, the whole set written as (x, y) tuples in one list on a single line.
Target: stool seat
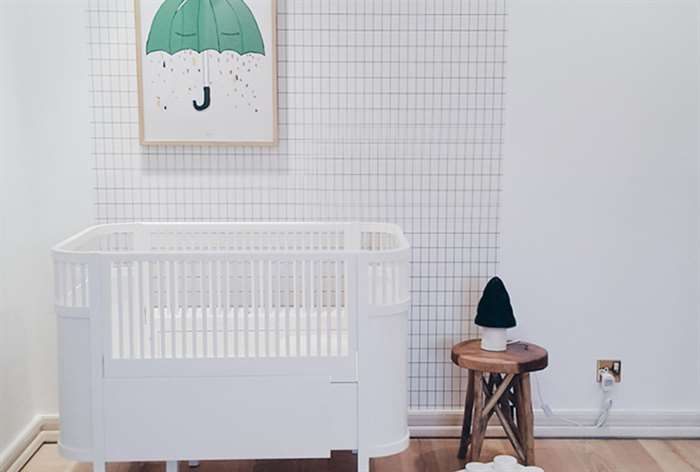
[(518, 358)]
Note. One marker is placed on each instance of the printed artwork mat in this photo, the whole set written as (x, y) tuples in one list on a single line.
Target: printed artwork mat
[(207, 71)]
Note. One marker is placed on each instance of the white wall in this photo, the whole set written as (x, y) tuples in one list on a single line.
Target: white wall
[(600, 205), (599, 229), (45, 191)]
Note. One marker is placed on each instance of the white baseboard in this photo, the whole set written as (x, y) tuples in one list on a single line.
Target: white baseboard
[(621, 424), (42, 429), (443, 423)]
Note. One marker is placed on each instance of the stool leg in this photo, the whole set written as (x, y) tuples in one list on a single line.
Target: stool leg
[(466, 424), (478, 423), (525, 417)]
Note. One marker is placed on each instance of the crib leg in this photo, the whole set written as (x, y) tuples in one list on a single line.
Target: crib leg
[(171, 466), (362, 462), (99, 467)]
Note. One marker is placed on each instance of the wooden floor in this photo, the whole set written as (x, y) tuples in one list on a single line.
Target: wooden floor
[(438, 455)]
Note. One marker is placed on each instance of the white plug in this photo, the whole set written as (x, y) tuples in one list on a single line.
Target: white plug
[(607, 380), (607, 383)]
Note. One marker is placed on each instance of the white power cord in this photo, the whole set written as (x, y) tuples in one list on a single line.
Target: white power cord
[(607, 384)]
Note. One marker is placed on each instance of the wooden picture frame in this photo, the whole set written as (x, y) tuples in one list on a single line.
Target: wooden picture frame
[(245, 69)]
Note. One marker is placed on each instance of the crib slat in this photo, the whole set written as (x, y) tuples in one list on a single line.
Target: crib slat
[(314, 307), (184, 313), (58, 283), (172, 305), (319, 305), (308, 294), (140, 307), (72, 285), (338, 337), (319, 309), (161, 304), (204, 311), (261, 302), (193, 308), (120, 314), (227, 304), (381, 276), (326, 302), (397, 277), (149, 304), (278, 305), (237, 268), (220, 308), (295, 297), (222, 284), (213, 299), (83, 284), (287, 304), (66, 283), (130, 308), (252, 309), (387, 279), (268, 310)]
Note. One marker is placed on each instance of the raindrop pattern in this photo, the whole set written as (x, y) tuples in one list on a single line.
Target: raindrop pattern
[(230, 75)]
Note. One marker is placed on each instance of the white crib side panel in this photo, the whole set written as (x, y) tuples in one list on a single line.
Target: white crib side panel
[(385, 384), (217, 418), (383, 303), (74, 388), (343, 415)]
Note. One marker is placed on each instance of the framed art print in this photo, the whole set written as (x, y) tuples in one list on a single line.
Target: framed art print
[(207, 71)]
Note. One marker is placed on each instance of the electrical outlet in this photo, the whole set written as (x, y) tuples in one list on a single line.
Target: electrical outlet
[(613, 366)]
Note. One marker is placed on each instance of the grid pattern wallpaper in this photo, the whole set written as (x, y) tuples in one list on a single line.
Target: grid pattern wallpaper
[(389, 110)]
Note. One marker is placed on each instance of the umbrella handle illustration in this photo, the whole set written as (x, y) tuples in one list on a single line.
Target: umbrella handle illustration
[(207, 89), (207, 100)]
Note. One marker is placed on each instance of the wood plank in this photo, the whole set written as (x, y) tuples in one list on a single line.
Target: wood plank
[(561, 455), (515, 441), (438, 455), (674, 456), (617, 455), (468, 408), (478, 422), (496, 396), (517, 358), (524, 413)]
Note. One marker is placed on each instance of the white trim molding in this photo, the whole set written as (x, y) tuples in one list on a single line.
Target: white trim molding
[(42, 429), (444, 423), (571, 424)]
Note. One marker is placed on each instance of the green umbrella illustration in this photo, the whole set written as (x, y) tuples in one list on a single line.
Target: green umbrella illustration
[(205, 25)]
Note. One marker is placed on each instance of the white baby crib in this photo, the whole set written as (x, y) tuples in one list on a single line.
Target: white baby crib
[(232, 341)]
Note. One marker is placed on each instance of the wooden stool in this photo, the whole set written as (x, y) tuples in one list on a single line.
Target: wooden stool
[(499, 382)]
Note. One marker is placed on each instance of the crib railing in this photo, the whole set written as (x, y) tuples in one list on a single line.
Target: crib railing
[(204, 308), (250, 315), (247, 299), (217, 237)]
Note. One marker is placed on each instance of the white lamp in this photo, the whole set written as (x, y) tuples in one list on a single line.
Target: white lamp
[(494, 315)]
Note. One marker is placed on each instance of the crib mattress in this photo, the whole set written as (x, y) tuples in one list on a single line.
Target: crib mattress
[(234, 333)]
